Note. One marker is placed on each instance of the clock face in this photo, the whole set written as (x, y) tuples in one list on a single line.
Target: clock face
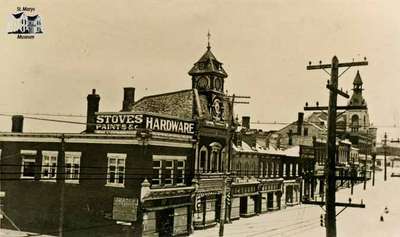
[(202, 83), (216, 108), (218, 84)]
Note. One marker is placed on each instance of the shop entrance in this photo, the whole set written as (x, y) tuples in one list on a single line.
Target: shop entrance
[(243, 205), (289, 194), (165, 222), (270, 200)]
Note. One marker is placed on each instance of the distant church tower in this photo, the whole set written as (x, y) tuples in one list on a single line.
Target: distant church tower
[(357, 120)]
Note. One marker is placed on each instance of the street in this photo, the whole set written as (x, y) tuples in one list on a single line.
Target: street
[(304, 220)]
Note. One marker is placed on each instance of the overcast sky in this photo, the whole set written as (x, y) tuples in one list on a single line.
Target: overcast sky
[(264, 45)]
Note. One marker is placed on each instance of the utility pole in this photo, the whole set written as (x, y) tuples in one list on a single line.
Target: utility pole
[(384, 155), (352, 179), (230, 130), (373, 169), (223, 208), (365, 168), (61, 180), (330, 164)]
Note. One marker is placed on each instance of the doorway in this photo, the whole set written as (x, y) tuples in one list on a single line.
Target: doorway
[(165, 222), (243, 205), (270, 201)]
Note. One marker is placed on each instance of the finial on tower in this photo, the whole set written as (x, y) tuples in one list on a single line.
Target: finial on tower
[(208, 41)]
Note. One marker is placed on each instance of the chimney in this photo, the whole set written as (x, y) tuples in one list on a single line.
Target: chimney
[(300, 119), (17, 123), (129, 98), (92, 107), (246, 122)]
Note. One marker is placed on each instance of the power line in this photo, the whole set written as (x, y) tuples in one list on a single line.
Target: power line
[(48, 114), (51, 120)]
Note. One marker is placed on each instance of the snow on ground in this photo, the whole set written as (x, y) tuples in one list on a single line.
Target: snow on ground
[(304, 220)]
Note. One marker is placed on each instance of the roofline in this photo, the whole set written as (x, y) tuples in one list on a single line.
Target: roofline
[(162, 94)]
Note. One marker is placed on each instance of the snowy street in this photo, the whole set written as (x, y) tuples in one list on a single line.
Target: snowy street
[(304, 220)]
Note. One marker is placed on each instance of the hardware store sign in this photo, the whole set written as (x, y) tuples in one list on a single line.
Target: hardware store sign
[(128, 122)]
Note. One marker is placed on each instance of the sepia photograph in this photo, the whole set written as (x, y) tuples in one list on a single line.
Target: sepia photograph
[(202, 118)]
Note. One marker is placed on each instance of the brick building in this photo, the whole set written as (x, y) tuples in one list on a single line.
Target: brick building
[(263, 179), (90, 183), (158, 167)]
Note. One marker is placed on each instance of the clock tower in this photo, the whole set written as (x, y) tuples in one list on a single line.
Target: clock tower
[(207, 73), (357, 120), (208, 77)]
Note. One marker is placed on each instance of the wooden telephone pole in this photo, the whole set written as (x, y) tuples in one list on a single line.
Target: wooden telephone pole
[(230, 131), (385, 140), (330, 164)]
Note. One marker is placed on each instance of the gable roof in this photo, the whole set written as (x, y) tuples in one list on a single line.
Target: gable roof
[(178, 104), (208, 63)]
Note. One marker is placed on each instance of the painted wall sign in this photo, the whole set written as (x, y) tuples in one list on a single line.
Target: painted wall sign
[(125, 209), (128, 122)]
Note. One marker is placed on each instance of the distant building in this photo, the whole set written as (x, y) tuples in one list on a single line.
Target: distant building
[(353, 125), (263, 179)]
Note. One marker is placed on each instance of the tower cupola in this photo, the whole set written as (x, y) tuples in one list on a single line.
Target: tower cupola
[(207, 73), (357, 98)]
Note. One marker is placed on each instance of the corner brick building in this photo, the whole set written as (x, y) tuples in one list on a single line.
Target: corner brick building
[(154, 168)]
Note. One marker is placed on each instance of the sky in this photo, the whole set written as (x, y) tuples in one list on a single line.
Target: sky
[(151, 45)]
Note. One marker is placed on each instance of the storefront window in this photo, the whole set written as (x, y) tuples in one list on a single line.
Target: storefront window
[(180, 172), (156, 180), (168, 170), (168, 174)]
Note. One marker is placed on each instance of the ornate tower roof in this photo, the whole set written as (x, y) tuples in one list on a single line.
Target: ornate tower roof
[(357, 98), (208, 64), (357, 80)]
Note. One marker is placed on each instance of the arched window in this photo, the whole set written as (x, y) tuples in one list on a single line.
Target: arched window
[(290, 169), (251, 169), (214, 161), (224, 160), (215, 158), (203, 159), (238, 167), (284, 169), (272, 168), (354, 123), (266, 169)]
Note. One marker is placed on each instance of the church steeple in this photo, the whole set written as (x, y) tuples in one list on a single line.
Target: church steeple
[(357, 98), (357, 83), (208, 73)]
